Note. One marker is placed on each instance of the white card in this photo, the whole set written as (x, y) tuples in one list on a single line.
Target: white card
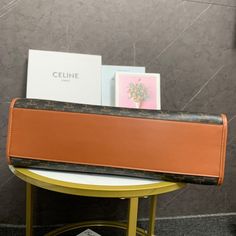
[(67, 77)]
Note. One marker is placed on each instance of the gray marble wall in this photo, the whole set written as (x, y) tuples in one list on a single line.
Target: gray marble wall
[(191, 43)]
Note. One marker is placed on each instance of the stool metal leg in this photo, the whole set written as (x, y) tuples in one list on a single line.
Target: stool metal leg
[(29, 210), (133, 215), (152, 215)]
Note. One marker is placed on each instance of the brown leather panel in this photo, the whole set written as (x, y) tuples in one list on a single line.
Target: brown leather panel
[(153, 145), (223, 149), (9, 129)]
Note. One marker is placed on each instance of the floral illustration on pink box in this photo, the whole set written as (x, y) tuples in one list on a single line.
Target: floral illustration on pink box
[(138, 93), (138, 90)]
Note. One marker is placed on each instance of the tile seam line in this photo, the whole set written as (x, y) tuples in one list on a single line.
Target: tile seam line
[(178, 37), (6, 181), (8, 8), (231, 119), (214, 76), (215, 4), (192, 216), (136, 40), (139, 220)]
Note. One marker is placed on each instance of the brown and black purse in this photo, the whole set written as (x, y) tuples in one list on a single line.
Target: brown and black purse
[(173, 146)]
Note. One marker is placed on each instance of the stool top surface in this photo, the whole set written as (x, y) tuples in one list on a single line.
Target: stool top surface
[(93, 179), (94, 185)]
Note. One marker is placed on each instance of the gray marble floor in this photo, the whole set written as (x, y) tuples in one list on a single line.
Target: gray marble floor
[(197, 226)]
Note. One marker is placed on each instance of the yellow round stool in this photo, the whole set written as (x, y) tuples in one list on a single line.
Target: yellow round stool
[(92, 185)]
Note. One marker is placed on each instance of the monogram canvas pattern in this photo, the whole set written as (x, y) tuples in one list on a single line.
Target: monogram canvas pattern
[(116, 111), (20, 162)]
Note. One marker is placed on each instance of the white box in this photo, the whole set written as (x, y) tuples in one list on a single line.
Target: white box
[(138, 90), (88, 232), (108, 81), (67, 77)]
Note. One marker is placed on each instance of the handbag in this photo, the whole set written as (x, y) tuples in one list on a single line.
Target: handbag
[(171, 146)]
